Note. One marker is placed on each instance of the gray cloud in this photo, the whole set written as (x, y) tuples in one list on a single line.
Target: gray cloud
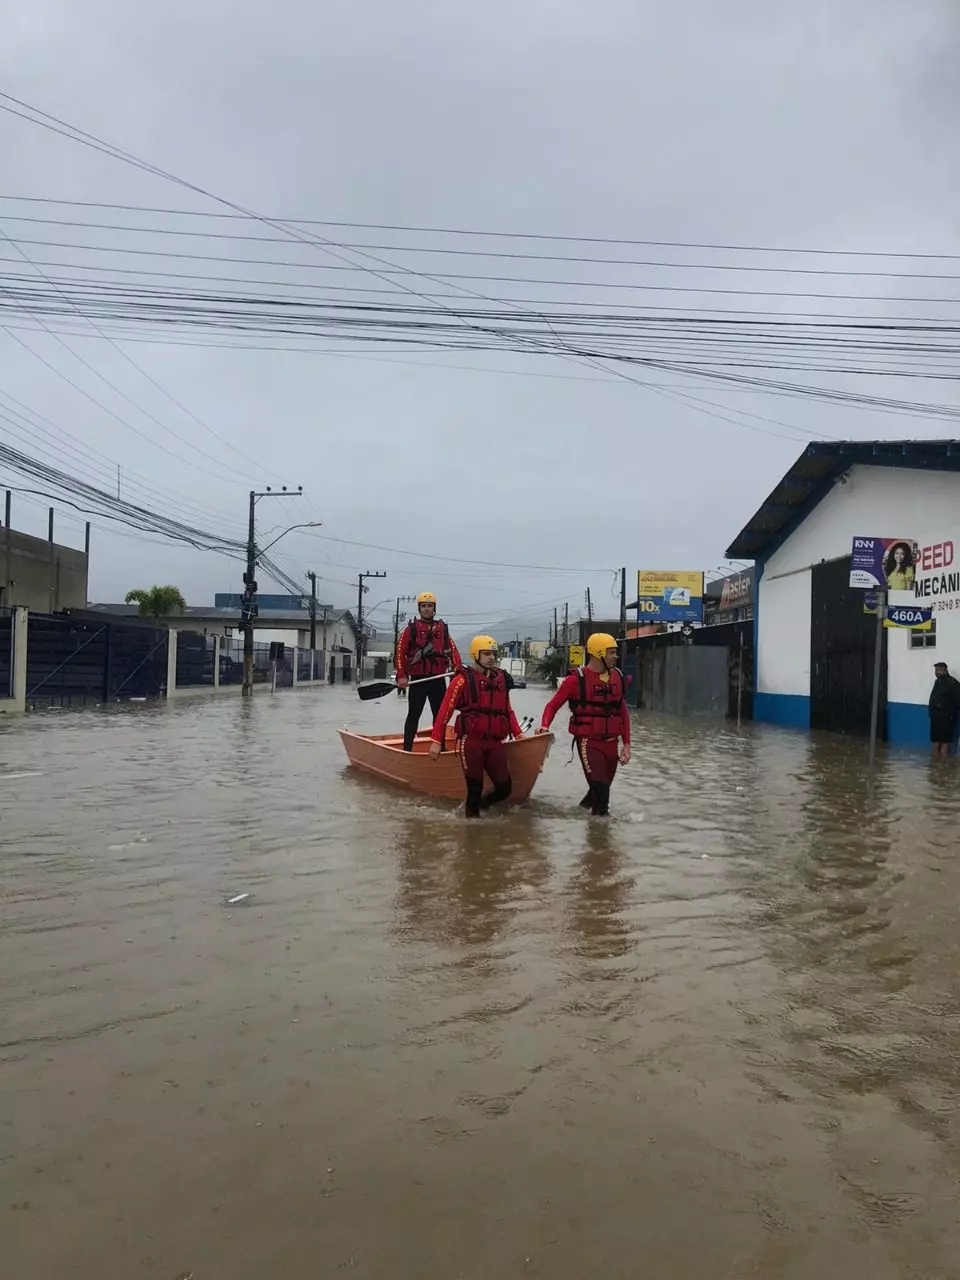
[(818, 125)]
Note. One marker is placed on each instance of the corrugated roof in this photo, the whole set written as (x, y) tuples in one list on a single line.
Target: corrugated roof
[(814, 472)]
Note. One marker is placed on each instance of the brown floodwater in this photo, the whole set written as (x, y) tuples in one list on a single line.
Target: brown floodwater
[(714, 1037)]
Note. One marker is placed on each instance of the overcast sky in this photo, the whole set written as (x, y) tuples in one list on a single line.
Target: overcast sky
[(823, 125)]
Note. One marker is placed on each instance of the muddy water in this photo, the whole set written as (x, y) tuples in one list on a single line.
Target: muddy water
[(715, 1037)]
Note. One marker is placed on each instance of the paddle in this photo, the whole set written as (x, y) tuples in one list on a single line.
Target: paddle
[(526, 724), (379, 688)]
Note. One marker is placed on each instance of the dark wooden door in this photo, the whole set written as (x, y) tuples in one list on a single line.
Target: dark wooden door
[(842, 646)]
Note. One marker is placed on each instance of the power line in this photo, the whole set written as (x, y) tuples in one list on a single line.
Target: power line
[(100, 502), (779, 269), (129, 359), (508, 299), (513, 235), (424, 555), (384, 269), (391, 270)]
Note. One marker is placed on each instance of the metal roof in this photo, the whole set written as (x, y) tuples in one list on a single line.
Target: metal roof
[(814, 472)]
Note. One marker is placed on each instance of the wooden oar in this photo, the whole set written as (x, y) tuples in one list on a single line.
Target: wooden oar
[(379, 688)]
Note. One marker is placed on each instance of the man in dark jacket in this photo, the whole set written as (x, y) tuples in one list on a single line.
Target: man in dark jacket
[(944, 706)]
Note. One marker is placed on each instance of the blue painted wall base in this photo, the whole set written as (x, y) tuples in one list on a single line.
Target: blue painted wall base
[(788, 709), (908, 724)]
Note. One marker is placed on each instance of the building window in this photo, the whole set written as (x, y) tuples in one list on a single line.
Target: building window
[(924, 639)]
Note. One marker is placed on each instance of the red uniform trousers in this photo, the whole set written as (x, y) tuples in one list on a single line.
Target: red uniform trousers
[(599, 758), (481, 755)]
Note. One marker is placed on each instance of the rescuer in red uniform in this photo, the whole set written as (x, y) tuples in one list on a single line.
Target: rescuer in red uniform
[(599, 719), (481, 694), (426, 652)]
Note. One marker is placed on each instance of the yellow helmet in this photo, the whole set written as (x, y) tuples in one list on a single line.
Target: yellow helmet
[(599, 643), (480, 644), (426, 597)]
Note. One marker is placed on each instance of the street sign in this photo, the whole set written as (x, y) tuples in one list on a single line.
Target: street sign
[(908, 617), (576, 656)]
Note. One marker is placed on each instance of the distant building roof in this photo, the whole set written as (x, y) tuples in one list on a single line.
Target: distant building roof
[(268, 603), (811, 477), (204, 613)]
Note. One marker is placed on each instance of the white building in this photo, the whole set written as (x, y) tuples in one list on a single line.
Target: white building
[(814, 642)]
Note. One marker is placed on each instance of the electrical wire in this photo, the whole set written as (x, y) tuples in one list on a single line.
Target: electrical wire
[(514, 235)]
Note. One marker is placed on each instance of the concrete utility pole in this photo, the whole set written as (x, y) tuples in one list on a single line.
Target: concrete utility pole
[(622, 637), (360, 590), (566, 630), (248, 601), (313, 610), (396, 622), (589, 606)]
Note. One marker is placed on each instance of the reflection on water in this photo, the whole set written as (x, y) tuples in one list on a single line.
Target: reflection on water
[(714, 1036), (461, 886), (599, 893)]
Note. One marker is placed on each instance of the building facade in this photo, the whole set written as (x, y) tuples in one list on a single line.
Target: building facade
[(40, 574), (814, 638)]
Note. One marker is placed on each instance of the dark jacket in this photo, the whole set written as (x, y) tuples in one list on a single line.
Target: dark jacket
[(945, 696)]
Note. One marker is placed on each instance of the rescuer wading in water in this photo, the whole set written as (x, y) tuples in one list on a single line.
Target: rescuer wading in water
[(599, 719), (481, 694)]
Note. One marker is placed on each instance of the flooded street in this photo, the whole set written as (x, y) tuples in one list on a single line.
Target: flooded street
[(714, 1037)]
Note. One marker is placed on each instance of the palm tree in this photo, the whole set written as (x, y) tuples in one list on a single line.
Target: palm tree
[(157, 602), (551, 667)]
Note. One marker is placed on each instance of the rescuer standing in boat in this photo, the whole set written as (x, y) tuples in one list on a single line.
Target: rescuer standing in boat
[(599, 719), (481, 694), (426, 652)]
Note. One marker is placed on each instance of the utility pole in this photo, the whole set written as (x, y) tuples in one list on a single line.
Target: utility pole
[(248, 601), (396, 623), (623, 618), (360, 590), (589, 606), (313, 610), (556, 629), (323, 647), (566, 630)]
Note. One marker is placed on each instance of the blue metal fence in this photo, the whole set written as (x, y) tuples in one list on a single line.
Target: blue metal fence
[(73, 660), (194, 660), (231, 662)]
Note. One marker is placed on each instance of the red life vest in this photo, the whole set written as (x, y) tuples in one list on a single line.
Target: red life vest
[(484, 704), (435, 639), (598, 711)]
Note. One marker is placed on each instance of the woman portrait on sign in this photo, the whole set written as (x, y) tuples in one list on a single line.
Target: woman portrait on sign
[(898, 567)]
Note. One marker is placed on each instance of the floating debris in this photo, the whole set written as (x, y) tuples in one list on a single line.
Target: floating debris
[(238, 899)]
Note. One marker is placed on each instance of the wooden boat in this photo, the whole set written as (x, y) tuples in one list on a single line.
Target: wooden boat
[(383, 754)]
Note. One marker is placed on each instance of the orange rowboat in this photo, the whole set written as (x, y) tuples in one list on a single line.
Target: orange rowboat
[(383, 754)]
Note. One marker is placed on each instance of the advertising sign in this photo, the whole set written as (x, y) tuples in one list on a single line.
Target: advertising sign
[(669, 596), (909, 617), (888, 563), (937, 582), (737, 591), (576, 656)]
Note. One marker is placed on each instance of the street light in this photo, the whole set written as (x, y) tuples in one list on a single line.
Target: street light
[(310, 524)]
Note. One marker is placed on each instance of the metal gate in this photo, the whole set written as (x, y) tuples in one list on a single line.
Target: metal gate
[(683, 680), (842, 646)]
